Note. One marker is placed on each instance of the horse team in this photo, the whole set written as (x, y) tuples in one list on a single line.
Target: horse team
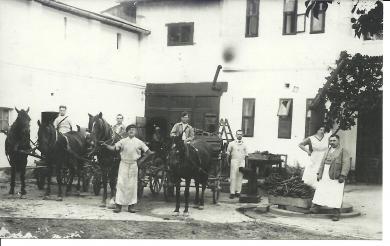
[(69, 151)]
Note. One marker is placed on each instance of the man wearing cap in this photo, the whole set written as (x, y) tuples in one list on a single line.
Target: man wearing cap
[(62, 123), (130, 149), (236, 153), (184, 129), (119, 128)]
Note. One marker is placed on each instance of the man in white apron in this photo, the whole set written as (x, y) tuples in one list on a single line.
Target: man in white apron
[(237, 150), (331, 175), (130, 150)]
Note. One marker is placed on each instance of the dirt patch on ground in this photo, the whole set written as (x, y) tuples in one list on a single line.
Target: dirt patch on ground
[(97, 229)]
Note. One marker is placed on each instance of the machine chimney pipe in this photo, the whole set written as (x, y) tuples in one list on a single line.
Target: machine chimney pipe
[(216, 77)]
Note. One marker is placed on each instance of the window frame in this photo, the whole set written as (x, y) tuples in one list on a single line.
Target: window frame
[(288, 13), (245, 134), (309, 101), (180, 25), (323, 22), (248, 18), (286, 118), (8, 110)]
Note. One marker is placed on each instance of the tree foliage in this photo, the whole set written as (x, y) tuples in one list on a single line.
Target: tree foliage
[(369, 22), (356, 88)]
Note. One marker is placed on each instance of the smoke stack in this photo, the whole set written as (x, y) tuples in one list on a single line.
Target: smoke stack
[(214, 86)]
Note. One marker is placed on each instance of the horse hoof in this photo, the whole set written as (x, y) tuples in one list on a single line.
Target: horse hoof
[(59, 199), (176, 213), (196, 206), (22, 196), (103, 205), (186, 214), (46, 198), (201, 207)]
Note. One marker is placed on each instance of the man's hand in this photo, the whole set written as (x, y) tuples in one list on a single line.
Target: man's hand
[(318, 177), (341, 179)]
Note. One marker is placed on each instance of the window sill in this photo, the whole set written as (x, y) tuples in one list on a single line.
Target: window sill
[(318, 32), (181, 44)]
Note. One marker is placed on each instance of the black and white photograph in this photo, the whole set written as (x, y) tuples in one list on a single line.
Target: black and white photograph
[(192, 120)]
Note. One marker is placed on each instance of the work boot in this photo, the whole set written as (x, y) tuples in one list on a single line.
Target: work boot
[(118, 208), (232, 196), (336, 214), (315, 209), (131, 209), (237, 195)]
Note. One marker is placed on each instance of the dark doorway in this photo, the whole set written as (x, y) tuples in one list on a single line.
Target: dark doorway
[(369, 147)]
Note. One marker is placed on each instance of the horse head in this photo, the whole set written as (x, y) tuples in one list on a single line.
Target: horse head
[(22, 122), (99, 130), (47, 137)]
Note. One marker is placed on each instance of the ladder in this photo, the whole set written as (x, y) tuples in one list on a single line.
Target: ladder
[(225, 131)]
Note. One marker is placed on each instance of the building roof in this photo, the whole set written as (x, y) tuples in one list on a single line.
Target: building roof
[(108, 20)]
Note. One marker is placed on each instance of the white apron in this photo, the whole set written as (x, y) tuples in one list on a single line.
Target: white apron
[(320, 147), (236, 176), (329, 192), (126, 188)]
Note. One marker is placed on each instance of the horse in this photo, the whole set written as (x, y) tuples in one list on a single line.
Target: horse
[(189, 162), (17, 140), (101, 131), (64, 152)]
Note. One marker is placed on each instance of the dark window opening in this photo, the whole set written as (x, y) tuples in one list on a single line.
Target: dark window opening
[(4, 118), (317, 25), (290, 17), (252, 18), (180, 34), (248, 117), (285, 118)]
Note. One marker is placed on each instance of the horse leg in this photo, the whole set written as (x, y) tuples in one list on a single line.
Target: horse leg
[(177, 184), (13, 173), (202, 195), (23, 177), (70, 182), (59, 182), (196, 194), (186, 196), (103, 204), (49, 172)]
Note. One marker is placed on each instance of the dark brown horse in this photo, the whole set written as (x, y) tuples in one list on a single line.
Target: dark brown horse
[(64, 152), (18, 139), (101, 131), (189, 162)]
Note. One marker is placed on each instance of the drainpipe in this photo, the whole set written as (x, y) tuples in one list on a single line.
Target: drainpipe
[(214, 86)]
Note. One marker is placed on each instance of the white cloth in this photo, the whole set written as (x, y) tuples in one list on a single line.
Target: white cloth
[(237, 150), (236, 175), (63, 124), (329, 192), (130, 149), (313, 162), (126, 188)]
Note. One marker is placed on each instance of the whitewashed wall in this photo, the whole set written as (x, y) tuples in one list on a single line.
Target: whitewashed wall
[(43, 64), (261, 66)]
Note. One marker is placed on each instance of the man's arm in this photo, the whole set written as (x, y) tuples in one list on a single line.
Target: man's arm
[(174, 130), (321, 168), (346, 164), (115, 147)]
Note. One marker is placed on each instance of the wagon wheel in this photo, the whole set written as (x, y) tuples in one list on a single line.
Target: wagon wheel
[(96, 184), (156, 180), (155, 184), (168, 187)]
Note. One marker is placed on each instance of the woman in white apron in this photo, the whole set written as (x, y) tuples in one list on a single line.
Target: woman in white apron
[(317, 146)]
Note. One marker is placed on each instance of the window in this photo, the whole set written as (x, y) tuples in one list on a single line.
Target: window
[(308, 117), (285, 118), (318, 25), (248, 117), (252, 18), (180, 34), (4, 118), (118, 40), (290, 17)]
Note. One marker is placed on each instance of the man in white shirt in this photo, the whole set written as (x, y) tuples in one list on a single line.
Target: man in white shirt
[(62, 123), (237, 151), (184, 129)]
